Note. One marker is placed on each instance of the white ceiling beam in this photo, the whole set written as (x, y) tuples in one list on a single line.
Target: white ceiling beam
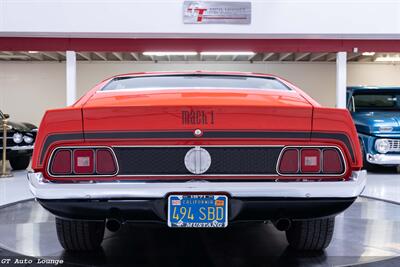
[(331, 57), (85, 55), (53, 56), (135, 56), (301, 56), (353, 56), (61, 54), (284, 56), (316, 56), (252, 56), (267, 56), (101, 55), (9, 57), (37, 56), (118, 55)]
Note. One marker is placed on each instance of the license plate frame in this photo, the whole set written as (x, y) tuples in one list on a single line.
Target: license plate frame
[(201, 210)]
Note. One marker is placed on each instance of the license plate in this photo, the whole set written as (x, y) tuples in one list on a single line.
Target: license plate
[(198, 211)]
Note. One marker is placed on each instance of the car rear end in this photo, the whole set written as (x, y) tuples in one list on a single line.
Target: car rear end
[(198, 158)]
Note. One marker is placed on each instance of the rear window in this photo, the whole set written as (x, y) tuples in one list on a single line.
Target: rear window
[(376, 102), (194, 81)]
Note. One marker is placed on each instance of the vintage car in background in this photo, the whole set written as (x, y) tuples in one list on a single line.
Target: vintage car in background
[(196, 149), (20, 141), (376, 114)]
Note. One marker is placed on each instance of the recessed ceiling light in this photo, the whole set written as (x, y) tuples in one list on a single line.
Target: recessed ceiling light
[(388, 59), (368, 53), (227, 53), (33, 52), (164, 53)]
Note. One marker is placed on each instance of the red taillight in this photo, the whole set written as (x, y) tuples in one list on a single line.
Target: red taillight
[(311, 160), (289, 162), (61, 163), (332, 161), (105, 163), (83, 161)]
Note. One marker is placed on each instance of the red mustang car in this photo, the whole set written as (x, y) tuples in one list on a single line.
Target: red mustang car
[(196, 149)]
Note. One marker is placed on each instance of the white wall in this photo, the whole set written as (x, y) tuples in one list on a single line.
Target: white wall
[(28, 89), (163, 18)]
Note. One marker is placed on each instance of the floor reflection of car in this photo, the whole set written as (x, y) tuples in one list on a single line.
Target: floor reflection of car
[(376, 114), (20, 139)]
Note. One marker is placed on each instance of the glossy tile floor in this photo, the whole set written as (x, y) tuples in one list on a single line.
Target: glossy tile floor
[(383, 185), (368, 231)]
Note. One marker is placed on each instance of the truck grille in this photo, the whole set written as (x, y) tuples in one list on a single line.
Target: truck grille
[(170, 160), (394, 145)]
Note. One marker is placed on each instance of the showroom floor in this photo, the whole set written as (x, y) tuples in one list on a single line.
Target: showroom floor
[(368, 231)]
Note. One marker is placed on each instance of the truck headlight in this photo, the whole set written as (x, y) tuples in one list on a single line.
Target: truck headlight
[(382, 145), (17, 138)]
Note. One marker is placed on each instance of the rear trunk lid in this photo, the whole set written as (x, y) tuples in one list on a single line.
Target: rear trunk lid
[(177, 110)]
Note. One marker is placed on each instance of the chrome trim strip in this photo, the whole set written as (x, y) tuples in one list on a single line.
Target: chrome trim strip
[(310, 174), (16, 148), (44, 189)]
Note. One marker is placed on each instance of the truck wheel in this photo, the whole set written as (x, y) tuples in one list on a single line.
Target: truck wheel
[(79, 235), (313, 234), (20, 162)]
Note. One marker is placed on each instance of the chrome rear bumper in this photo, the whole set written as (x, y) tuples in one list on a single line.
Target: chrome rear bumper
[(44, 189)]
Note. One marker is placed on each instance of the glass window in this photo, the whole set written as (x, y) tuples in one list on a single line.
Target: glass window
[(376, 101), (194, 81)]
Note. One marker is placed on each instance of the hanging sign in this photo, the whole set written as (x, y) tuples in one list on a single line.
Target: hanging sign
[(213, 12)]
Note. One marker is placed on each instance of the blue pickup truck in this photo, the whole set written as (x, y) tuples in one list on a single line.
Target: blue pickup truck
[(376, 114)]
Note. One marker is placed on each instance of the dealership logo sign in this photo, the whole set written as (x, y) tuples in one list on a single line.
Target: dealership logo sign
[(211, 12)]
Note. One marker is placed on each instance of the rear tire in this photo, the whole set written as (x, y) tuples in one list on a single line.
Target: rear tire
[(311, 235), (20, 163), (77, 235)]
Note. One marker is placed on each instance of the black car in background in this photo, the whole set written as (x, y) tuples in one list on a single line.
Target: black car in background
[(20, 141)]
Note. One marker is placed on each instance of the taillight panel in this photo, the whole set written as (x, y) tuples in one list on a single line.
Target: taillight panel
[(62, 162), (289, 161), (82, 162), (311, 161)]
